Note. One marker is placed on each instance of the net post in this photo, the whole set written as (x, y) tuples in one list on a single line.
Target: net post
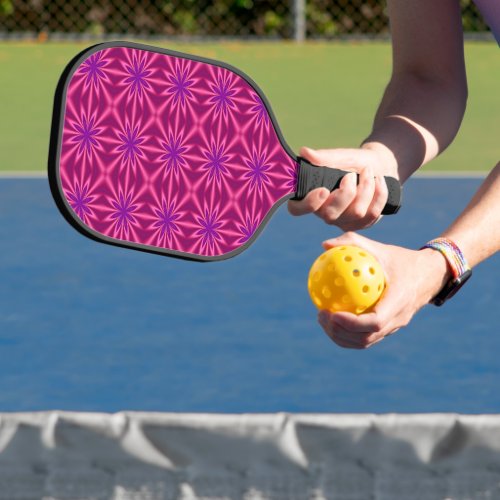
[(299, 20)]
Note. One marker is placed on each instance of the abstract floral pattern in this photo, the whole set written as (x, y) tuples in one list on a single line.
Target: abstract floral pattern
[(168, 152)]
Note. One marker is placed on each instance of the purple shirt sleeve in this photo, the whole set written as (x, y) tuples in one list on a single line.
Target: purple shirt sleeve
[(490, 9)]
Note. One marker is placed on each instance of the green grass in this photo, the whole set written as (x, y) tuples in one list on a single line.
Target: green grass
[(323, 94)]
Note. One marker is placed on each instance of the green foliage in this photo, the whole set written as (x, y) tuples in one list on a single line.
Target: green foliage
[(186, 21), (320, 21), (6, 8), (272, 22)]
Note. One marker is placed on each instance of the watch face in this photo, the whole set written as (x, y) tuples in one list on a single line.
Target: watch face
[(451, 288)]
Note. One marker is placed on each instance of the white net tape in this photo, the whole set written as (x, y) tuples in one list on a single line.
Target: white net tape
[(160, 456)]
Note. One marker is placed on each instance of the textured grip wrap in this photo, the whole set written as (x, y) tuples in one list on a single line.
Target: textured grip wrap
[(312, 177)]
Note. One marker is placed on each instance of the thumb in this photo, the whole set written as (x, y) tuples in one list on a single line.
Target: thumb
[(349, 238), (312, 155), (339, 158)]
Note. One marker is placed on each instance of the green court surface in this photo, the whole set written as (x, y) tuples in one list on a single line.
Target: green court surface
[(323, 94)]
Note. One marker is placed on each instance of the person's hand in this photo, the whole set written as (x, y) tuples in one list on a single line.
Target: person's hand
[(351, 206), (413, 278)]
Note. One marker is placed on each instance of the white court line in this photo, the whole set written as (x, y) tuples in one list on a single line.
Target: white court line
[(23, 175), (454, 174)]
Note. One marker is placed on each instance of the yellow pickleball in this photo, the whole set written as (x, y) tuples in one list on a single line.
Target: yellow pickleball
[(346, 278)]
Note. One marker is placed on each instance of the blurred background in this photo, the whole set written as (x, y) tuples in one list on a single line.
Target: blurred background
[(283, 19)]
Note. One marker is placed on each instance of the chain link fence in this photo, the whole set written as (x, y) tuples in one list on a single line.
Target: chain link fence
[(286, 19)]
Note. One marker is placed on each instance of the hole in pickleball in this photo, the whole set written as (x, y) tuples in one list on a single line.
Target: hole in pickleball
[(331, 268), (317, 276), (346, 299), (356, 273), (379, 288), (372, 270), (362, 254), (339, 281), (317, 300), (327, 293), (348, 258), (366, 289), (337, 306), (360, 309)]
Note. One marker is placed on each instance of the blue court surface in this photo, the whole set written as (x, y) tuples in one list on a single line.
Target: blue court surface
[(91, 327)]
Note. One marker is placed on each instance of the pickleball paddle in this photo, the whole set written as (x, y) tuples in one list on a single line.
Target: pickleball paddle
[(171, 153)]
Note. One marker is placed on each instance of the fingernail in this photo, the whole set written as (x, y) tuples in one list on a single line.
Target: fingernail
[(324, 193), (347, 178)]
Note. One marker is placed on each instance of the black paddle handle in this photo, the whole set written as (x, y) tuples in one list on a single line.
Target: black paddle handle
[(311, 177)]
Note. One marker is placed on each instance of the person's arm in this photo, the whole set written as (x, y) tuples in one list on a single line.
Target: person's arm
[(419, 115), (477, 230), (414, 277), (424, 103)]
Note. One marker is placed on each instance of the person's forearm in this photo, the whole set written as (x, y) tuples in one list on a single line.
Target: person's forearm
[(416, 120), (477, 230)]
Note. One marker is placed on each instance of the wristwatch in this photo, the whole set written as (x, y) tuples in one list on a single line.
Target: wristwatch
[(460, 270)]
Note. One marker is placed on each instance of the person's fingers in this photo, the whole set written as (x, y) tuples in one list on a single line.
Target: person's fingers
[(350, 339), (371, 343), (321, 196), (390, 316), (343, 343), (361, 340), (373, 212), (324, 319), (357, 340), (358, 209), (354, 205), (352, 196), (339, 200), (345, 331), (341, 340), (371, 322), (311, 203), (353, 339), (351, 201), (382, 321), (380, 197), (349, 322)]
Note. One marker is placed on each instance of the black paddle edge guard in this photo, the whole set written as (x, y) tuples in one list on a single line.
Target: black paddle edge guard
[(56, 132), (312, 177)]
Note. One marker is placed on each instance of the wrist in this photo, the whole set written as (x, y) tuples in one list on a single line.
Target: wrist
[(387, 158), (437, 272)]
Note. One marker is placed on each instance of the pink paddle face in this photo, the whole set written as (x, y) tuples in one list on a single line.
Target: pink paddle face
[(167, 153)]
